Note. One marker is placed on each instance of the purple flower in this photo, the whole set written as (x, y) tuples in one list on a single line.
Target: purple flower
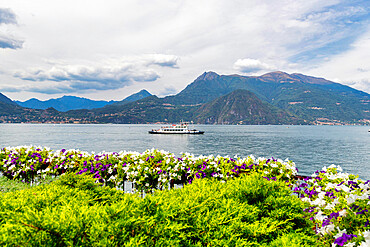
[(326, 222), (333, 215), (362, 212), (345, 237), (303, 185)]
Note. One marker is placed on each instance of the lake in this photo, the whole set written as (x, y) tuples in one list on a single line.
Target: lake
[(310, 147)]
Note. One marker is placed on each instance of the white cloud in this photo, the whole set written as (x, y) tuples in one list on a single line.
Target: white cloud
[(107, 75), (163, 60), (7, 40), (86, 40), (249, 65), (7, 16), (351, 67)]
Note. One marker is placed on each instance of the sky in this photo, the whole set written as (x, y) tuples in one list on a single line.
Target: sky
[(108, 50)]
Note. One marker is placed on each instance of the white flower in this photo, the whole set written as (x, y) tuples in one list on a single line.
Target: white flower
[(351, 199), (330, 206), (318, 202), (366, 235), (365, 244), (326, 229), (320, 216), (342, 212)]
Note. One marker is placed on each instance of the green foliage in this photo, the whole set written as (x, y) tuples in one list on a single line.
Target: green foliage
[(78, 211), (242, 107), (9, 185)]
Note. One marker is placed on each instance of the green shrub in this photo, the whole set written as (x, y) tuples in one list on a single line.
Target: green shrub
[(77, 211)]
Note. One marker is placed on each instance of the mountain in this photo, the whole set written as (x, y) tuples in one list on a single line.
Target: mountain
[(272, 98), (67, 103), (6, 100), (148, 110), (306, 97), (242, 107), (136, 96), (64, 103), (13, 113)]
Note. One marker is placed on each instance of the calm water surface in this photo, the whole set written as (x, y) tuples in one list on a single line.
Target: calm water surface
[(310, 147)]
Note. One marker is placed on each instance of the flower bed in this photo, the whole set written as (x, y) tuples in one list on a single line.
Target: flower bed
[(339, 206), (149, 170)]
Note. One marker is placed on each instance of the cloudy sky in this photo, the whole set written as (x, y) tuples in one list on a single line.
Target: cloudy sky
[(110, 49)]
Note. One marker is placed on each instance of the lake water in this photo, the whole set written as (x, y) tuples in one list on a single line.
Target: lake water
[(310, 147)]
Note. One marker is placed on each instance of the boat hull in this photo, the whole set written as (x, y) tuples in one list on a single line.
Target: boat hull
[(176, 133)]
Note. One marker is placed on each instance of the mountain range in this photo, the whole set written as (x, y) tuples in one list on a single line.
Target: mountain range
[(273, 98), (67, 103)]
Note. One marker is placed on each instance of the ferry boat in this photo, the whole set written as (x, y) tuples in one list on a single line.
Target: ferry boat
[(182, 128)]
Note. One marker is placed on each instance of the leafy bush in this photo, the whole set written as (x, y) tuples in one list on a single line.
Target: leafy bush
[(75, 210)]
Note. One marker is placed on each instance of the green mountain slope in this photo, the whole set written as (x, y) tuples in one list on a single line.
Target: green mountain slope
[(148, 110), (307, 97), (242, 107)]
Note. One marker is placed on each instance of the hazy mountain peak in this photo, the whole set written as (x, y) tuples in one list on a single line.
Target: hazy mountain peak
[(71, 97), (134, 97), (207, 76), (144, 91), (278, 76), (139, 95)]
